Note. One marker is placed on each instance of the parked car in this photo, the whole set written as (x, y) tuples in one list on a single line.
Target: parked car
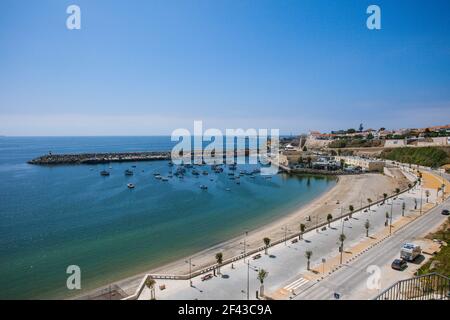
[(256, 256), (445, 212), (399, 264), (207, 277), (294, 241)]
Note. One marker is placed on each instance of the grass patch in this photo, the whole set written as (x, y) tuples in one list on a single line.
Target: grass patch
[(440, 263), (426, 156)]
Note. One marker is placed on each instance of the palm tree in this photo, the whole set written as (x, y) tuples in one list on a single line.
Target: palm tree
[(262, 275), (219, 259), (329, 218), (342, 238), (427, 194), (266, 243), (384, 197), (403, 208), (308, 255), (302, 230), (397, 190), (351, 208), (369, 201), (150, 283), (367, 226)]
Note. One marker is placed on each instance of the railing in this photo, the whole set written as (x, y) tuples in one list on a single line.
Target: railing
[(433, 286)]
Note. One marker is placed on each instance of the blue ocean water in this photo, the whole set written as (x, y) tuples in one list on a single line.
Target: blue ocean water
[(53, 217)]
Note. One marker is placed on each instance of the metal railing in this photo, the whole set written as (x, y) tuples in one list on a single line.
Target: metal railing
[(432, 286)]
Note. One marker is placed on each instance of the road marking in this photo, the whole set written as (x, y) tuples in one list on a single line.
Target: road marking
[(296, 284)]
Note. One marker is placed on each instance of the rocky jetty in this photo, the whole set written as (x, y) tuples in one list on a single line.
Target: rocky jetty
[(93, 158)]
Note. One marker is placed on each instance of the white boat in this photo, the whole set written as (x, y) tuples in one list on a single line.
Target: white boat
[(130, 186)]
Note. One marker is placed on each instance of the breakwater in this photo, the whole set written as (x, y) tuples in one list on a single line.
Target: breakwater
[(93, 158)]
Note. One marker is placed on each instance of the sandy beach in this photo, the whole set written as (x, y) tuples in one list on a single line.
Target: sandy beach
[(349, 190)]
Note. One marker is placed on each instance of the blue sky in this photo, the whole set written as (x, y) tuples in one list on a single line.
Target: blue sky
[(148, 67)]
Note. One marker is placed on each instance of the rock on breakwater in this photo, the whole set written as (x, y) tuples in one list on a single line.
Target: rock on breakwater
[(92, 158)]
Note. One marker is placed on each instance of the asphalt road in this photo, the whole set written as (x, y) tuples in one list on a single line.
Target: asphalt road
[(350, 282)]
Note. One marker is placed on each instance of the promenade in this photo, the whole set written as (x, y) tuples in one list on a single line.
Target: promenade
[(286, 262)]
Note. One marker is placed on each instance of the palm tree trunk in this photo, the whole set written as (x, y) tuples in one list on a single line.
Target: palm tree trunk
[(261, 290), (307, 266)]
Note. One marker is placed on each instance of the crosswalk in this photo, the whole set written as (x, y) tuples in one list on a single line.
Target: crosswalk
[(297, 284)]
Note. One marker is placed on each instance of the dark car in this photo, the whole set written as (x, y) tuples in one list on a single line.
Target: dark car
[(445, 212), (399, 264)]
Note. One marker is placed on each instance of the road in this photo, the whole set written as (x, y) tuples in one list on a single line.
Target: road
[(350, 282)]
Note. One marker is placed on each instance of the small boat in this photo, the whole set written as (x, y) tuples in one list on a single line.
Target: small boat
[(203, 187), (227, 189), (110, 167), (128, 172), (104, 173), (164, 179), (133, 166), (158, 177), (130, 186), (238, 182), (156, 174), (205, 173)]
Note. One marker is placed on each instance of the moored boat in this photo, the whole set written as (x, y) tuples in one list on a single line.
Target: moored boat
[(104, 173)]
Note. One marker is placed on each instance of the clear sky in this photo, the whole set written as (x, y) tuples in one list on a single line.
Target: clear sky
[(149, 67)]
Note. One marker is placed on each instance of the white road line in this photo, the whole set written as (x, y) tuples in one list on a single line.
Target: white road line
[(296, 284)]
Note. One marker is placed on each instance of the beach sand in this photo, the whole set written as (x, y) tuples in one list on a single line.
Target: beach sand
[(349, 190)]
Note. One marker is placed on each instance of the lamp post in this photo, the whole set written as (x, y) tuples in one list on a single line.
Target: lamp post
[(248, 279), (248, 265), (390, 218), (190, 270), (285, 234), (421, 191)]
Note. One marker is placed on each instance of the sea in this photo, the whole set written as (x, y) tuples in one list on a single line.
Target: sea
[(53, 217)]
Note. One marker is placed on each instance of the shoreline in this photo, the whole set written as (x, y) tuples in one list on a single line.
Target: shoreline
[(347, 190)]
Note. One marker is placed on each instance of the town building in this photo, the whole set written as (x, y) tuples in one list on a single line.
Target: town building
[(363, 163)]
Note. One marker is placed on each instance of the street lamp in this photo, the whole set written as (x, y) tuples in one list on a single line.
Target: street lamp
[(390, 218), (248, 265), (421, 191), (190, 270), (285, 233)]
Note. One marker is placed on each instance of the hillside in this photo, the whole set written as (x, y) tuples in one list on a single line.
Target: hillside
[(426, 156)]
